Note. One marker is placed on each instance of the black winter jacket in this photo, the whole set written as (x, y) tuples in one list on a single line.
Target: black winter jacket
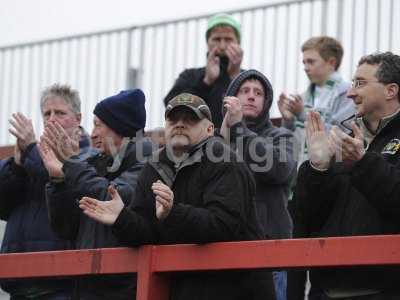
[(213, 201), (91, 178), (358, 199)]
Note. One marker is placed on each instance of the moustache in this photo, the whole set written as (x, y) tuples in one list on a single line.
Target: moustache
[(178, 132)]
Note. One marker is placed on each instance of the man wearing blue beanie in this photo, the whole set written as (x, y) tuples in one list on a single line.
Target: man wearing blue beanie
[(124, 113), (119, 121)]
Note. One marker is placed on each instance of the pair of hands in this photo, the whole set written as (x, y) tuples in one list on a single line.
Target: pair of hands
[(235, 55), (323, 147), (233, 114), (56, 146), (290, 106), (107, 212)]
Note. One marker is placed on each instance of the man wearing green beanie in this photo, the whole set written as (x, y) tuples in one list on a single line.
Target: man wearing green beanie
[(224, 58)]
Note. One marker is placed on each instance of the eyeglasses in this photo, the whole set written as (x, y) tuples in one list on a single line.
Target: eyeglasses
[(357, 83)]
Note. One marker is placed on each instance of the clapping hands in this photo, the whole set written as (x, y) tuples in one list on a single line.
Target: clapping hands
[(323, 147), (63, 145)]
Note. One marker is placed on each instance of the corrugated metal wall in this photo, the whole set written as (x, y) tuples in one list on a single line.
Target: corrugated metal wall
[(151, 56)]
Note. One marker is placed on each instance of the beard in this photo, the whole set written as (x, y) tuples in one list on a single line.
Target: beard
[(178, 148), (180, 142)]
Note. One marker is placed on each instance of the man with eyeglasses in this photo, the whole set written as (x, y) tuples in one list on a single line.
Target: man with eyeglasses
[(351, 184)]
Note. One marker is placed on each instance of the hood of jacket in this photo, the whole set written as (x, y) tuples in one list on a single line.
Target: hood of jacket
[(262, 120)]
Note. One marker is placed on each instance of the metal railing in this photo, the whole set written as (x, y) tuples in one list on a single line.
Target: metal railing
[(151, 56), (154, 264)]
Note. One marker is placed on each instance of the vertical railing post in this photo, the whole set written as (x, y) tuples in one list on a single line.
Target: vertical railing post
[(339, 20), (128, 82), (324, 17), (150, 285)]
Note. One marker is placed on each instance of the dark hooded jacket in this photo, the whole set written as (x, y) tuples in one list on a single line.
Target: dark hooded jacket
[(268, 151), (91, 178), (23, 206), (213, 201)]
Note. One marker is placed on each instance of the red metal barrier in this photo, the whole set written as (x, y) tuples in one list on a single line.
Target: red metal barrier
[(154, 263), (6, 151)]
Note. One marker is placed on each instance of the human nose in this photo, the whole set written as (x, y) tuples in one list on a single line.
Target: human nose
[(180, 123), (52, 117), (251, 95), (94, 134), (351, 92), (222, 45)]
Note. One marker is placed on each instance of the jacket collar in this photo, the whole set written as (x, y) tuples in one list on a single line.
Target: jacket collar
[(168, 169), (382, 123)]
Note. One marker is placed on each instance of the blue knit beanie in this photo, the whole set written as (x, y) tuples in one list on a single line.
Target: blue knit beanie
[(124, 113)]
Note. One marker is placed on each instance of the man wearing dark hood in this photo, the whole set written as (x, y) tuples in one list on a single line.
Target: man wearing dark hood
[(267, 150)]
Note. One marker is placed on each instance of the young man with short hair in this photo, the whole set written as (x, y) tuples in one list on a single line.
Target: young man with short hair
[(322, 57), (266, 149), (326, 94)]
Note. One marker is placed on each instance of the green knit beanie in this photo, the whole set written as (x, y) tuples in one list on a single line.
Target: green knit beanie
[(220, 20)]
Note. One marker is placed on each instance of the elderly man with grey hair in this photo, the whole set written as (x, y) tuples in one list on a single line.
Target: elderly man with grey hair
[(22, 188)]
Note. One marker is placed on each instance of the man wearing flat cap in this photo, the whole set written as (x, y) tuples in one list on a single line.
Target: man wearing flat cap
[(194, 190), (224, 57), (118, 127)]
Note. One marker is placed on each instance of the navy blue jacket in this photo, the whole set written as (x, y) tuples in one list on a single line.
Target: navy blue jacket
[(23, 206)]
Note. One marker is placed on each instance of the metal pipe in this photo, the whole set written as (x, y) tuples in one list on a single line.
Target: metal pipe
[(150, 24)]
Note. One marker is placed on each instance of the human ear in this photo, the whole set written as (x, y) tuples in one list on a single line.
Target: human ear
[(392, 90), (332, 62)]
